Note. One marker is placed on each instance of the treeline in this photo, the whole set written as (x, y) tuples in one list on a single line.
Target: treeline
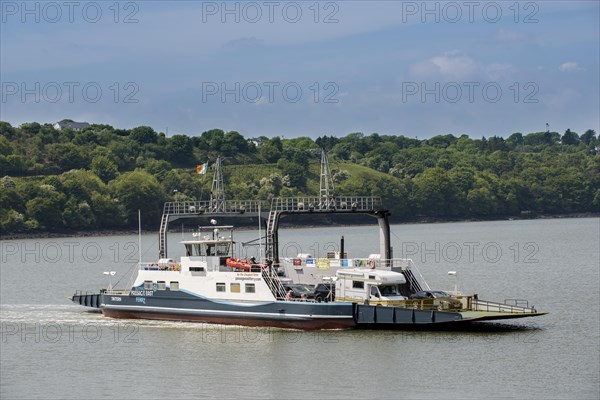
[(98, 177)]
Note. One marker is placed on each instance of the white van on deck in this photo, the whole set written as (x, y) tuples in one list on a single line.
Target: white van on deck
[(361, 284)]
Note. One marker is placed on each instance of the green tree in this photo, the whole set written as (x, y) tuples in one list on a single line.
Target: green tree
[(7, 130), (570, 138), (13, 221), (589, 137), (234, 144), (481, 201), (180, 150), (5, 146), (125, 153), (104, 168), (515, 140), (14, 164), (143, 135), (269, 153), (68, 156), (158, 168), (108, 212), (80, 184), (212, 140), (295, 173), (434, 194), (78, 215), (138, 190), (47, 208), (30, 128)]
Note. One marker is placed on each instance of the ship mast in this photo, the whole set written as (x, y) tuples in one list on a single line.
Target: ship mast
[(217, 191), (327, 189)]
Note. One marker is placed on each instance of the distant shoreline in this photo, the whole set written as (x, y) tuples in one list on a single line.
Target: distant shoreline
[(416, 220)]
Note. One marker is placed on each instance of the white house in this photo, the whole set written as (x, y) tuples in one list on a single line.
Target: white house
[(76, 126)]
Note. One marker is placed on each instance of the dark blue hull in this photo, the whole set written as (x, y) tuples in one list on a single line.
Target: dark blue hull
[(181, 306)]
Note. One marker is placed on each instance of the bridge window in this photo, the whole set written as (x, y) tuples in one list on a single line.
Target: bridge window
[(250, 288), (161, 285), (147, 285), (195, 249), (234, 287), (174, 285), (196, 269), (358, 285), (220, 287)]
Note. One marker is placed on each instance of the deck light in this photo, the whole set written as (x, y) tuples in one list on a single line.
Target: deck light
[(455, 275), (110, 275)]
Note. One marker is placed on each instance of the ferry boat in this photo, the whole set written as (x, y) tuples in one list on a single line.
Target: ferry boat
[(210, 284), (206, 286), (202, 287)]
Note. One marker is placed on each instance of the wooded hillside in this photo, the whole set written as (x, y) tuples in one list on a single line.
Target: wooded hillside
[(98, 177)]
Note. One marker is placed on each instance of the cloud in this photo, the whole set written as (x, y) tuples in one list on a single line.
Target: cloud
[(499, 71), (458, 66), (454, 64), (569, 67), (451, 64)]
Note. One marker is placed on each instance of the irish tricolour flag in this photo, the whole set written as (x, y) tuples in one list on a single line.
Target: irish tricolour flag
[(202, 168)]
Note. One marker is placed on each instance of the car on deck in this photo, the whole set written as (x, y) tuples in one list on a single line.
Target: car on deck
[(299, 291), (325, 292)]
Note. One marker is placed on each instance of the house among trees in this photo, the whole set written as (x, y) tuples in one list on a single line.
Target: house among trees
[(257, 141), (67, 123)]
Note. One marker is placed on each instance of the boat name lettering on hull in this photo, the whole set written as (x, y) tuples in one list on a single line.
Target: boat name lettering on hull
[(141, 293), (247, 276), (115, 299)]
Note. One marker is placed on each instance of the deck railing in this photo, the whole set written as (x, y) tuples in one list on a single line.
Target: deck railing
[(483, 305), (153, 266), (207, 206), (116, 292), (315, 203)]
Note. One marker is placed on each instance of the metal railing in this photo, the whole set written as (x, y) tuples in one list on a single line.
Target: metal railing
[(149, 266), (273, 282), (483, 305), (315, 203), (207, 207), (83, 293), (117, 292)]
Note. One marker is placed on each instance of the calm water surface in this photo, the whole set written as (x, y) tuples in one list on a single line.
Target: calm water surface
[(51, 348)]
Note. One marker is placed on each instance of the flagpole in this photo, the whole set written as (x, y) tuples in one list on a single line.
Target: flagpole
[(259, 235), (140, 235)]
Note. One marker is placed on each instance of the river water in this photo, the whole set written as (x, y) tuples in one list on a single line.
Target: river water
[(51, 348)]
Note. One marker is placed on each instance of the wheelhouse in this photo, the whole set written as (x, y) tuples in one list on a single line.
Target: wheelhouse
[(211, 242)]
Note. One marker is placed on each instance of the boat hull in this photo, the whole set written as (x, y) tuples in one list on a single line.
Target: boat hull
[(183, 306), (282, 314), (304, 324)]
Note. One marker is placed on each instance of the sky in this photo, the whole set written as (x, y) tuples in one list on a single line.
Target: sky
[(304, 68)]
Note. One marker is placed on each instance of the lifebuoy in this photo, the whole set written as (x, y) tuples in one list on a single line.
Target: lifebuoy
[(237, 263), (371, 264)]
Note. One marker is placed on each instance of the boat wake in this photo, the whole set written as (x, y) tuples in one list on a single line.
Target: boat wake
[(74, 315)]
